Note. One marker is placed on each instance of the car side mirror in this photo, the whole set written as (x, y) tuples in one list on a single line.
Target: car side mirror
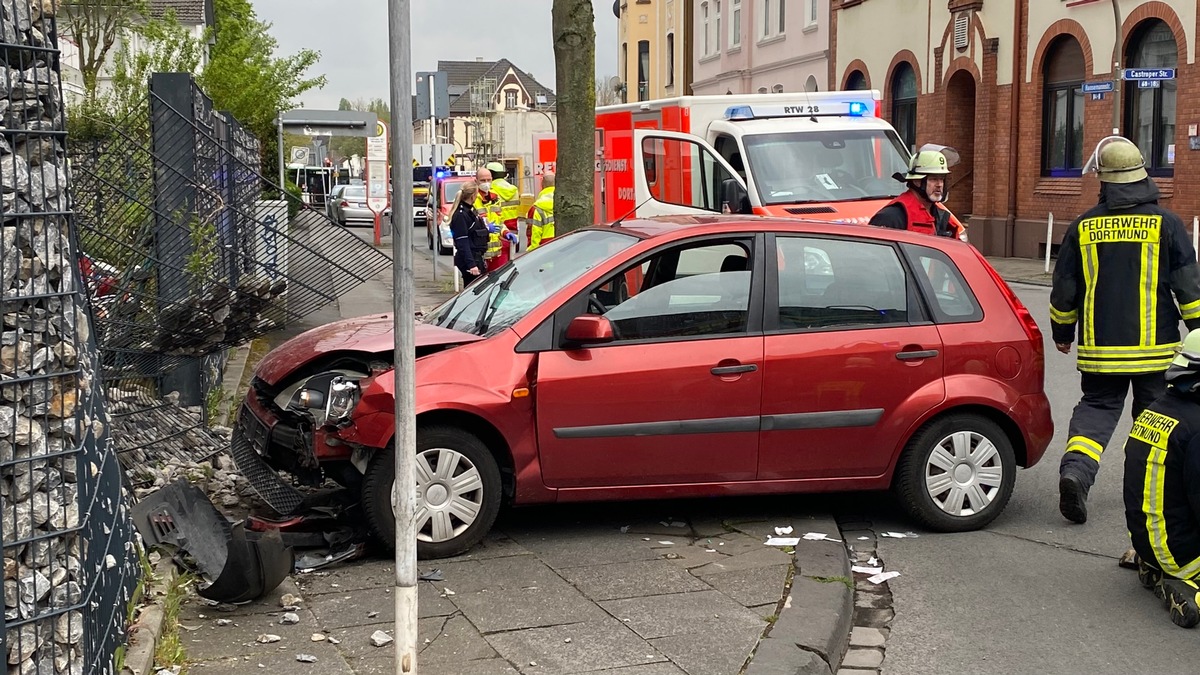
[(589, 330), (733, 194)]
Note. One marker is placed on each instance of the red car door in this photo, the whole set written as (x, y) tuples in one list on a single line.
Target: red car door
[(850, 359), (675, 397)]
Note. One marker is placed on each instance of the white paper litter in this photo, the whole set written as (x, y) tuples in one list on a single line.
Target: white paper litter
[(783, 530), (667, 543), (882, 577), (900, 535), (864, 538), (866, 570), (819, 536), (783, 541), (873, 561)]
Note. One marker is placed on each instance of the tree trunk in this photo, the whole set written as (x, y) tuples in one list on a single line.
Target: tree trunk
[(575, 77)]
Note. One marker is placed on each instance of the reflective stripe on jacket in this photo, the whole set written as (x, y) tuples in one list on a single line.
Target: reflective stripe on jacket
[(543, 218), (1119, 275), (1162, 484)]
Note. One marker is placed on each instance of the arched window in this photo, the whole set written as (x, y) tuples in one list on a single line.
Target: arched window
[(857, 81), (811, 84), (1062, 108), (1150, 107), (904, 104)]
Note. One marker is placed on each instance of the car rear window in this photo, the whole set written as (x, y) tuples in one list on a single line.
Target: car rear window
[(355, 193), (943, 284)]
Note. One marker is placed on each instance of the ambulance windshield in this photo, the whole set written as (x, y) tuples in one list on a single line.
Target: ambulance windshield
[(825, 166)]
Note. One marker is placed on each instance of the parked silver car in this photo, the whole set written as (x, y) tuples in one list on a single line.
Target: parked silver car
[(351, 206)]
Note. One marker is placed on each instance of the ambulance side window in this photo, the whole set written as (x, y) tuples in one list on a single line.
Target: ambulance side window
[(727, 147), (683, 173)]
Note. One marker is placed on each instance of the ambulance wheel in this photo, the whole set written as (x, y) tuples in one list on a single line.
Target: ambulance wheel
[(458, 492), (956, 474)]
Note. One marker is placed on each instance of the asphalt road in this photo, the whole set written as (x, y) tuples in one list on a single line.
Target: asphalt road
[(1032, 593)]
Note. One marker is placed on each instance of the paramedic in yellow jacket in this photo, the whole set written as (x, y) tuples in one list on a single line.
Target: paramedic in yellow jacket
[(541, 215), (501, 202)]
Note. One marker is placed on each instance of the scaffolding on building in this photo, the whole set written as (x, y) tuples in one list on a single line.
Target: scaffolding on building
[(487, 134)]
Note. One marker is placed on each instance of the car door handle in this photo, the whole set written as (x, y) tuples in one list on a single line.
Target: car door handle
[(917, 355), (734, 370)]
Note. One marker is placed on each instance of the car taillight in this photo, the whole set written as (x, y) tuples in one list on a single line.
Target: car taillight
[(344, 203), (1023, 315)]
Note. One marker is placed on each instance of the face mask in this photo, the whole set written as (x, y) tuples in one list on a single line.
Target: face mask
[(485, 186)]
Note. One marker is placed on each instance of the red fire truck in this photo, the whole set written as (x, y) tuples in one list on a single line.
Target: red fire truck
[(822, 155)]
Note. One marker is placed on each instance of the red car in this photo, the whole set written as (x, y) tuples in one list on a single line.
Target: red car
[(681, 357)]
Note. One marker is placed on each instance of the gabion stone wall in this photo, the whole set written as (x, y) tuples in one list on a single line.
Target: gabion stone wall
[(68, 553)]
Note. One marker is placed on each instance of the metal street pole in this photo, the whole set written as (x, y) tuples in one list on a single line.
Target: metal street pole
[(404, 498), (282, 185), (1119, 38)]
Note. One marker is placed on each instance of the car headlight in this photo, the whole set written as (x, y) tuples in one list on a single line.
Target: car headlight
[(343, 396)]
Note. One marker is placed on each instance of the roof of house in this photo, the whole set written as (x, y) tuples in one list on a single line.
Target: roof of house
[(186, 11), (460, 75)]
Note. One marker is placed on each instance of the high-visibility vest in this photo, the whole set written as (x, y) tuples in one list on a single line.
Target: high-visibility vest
[(543, 218)]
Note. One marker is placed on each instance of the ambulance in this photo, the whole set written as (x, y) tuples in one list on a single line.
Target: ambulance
[(820, 155)]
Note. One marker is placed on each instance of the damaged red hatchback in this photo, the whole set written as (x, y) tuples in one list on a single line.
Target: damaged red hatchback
[(680, 357)]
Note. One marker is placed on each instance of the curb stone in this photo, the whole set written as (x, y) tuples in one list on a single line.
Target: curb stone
[(146, 631), (812, 631)]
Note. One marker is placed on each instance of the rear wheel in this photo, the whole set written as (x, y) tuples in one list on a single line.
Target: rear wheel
[(458, 492), (956, 474)]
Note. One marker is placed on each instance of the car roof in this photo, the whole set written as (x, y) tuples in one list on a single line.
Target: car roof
[(672, 227)]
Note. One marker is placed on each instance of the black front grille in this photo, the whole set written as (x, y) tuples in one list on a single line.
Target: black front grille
[(805, 210), (249, 436)]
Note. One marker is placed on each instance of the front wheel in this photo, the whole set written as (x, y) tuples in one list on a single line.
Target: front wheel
[(956, 474), (458, 492)]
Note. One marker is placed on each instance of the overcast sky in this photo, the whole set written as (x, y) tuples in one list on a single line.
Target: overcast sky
[(352, 36)]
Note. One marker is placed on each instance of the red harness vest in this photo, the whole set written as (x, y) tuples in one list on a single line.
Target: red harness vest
[(921, 220)]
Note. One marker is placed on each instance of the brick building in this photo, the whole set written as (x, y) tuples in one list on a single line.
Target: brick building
[(1003, 81)]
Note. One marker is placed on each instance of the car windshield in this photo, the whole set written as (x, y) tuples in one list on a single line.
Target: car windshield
[(506, 295), (354, 193), (825, 166)]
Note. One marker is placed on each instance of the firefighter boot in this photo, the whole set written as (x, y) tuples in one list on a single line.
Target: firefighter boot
[(1072, 497), (1182, 598), (1150, 577)]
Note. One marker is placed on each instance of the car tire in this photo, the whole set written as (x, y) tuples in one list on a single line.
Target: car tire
[(467, 452), (956, 474)]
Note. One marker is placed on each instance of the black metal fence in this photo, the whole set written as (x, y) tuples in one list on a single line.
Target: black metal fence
[(69, 562), (187, 259)]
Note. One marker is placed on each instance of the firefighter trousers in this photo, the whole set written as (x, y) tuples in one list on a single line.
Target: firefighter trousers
[(1096, 416)]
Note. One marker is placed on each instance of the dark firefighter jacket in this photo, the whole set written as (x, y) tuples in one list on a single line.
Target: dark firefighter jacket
[(1117, 268), (1162, 484)]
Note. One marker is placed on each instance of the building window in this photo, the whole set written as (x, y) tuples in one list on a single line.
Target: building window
[(644, 70), (857, 81), (624, 71), (773, 14), (735, 23), (670, 59), (811, 84), (510, 99), (811, 20), (717, 25), (1062, 109), (782, 5), (1150, 112), (904, 104), (706, 25), (766, 29)]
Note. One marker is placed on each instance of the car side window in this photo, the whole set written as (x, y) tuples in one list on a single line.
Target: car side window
[(950, 297), (835, 283), (684, 291)]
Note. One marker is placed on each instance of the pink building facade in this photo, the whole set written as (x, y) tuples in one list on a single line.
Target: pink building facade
[(760, 46)]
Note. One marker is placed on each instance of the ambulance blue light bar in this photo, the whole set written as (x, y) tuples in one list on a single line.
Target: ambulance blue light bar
[(818, 108)]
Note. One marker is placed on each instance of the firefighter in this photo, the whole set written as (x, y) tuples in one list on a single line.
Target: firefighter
[(1117, 268), (1162, 488), (541, 214), (921, 208), (502, 202)]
